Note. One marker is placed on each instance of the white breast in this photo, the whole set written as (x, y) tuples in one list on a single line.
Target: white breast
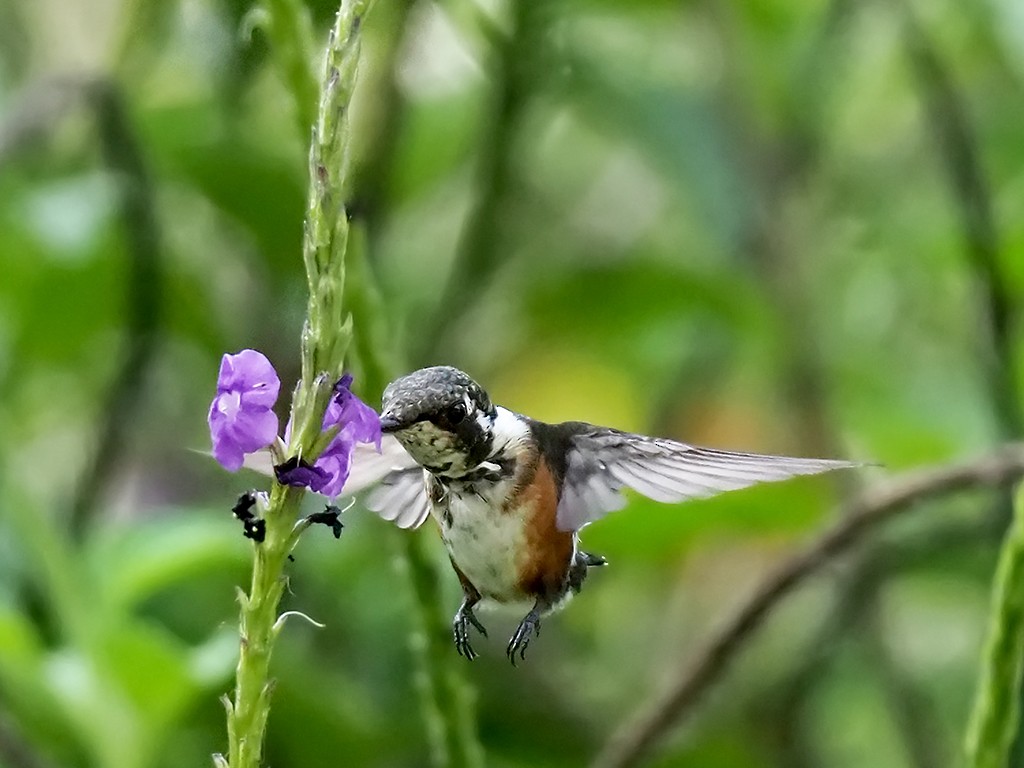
[(485, 543)]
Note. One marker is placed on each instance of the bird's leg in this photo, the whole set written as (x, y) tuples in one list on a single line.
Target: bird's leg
[(465, 616), (460, 625), (529, 626)]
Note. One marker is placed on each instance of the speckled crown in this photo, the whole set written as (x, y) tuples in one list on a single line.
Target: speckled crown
[(429, 390)]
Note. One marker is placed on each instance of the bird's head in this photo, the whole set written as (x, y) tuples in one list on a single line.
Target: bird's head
[(442, 417)]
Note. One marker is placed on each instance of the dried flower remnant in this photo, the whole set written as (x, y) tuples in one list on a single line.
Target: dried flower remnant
[(331, 517), (253, 527)]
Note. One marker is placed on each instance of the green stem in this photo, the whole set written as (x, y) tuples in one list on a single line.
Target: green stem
[(445, 697), (143, 294), (289, 30), (328, 330), (482, 244), (247, 717), (996, 712), (325, 339)]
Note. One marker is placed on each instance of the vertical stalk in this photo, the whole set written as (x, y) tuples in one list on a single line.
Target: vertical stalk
[(993, 724), (247, 715), (325, 339), (480, 252), (289, 29), (144, 296), (446, 698)]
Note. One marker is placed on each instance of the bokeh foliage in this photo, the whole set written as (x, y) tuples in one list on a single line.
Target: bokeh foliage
[(780, 226)]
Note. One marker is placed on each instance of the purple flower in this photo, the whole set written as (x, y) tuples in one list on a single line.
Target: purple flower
[(335, 463), (359, 420), (241, 419), (359, 424)]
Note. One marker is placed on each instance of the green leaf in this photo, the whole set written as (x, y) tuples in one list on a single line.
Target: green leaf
[(124, 691), (26, 694), (133, 563)]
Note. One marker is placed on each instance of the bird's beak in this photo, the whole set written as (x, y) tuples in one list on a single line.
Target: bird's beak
[(389, 423)]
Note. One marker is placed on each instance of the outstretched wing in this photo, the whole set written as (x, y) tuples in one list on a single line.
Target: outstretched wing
[(369, 468), (599, 462), (394, 480), (401, 497)]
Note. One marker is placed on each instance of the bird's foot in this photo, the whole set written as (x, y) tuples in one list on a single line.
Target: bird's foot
[(578, 571), (465, 617), (529, 626), (592, 561)]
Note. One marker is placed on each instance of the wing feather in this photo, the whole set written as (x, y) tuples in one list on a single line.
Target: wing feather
[(601, 462), (401, 498), (369, 467), (628, 473)]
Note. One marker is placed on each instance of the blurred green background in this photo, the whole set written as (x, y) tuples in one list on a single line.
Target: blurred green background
[(793, 227)]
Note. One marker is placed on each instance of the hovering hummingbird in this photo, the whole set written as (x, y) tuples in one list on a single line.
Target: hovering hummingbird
[(510, 494)]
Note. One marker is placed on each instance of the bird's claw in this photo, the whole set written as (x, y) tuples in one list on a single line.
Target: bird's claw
[(465, 617), (529, 626)]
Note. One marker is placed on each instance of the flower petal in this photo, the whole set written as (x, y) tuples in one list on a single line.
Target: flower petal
[(336, 466), (358, 419), (240, 418), (254, 429), (226, 450), (251, 374)]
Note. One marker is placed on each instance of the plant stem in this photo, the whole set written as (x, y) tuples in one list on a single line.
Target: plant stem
[(446, 699), (247, 717), (143, 295), (325, 339), (481, 251), (327, 331), (289, 29), (993, 724)]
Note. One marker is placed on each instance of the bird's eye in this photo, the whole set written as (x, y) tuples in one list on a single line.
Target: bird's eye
[(455, 413)]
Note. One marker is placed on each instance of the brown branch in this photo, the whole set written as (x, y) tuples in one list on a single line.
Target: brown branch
[(855, 595), (636, 738)]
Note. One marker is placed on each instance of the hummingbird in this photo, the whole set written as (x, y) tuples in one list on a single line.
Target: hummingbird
[(510, 494)]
